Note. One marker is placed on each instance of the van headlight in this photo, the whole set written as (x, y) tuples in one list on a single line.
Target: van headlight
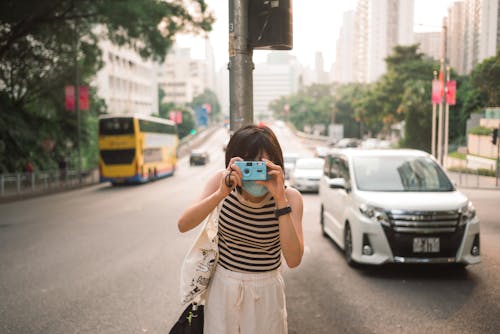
[(375, 214), (467, 213)]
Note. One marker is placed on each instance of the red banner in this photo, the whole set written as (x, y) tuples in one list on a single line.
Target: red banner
[(436, 91), (70, 98), (451, 92), (176, 116)]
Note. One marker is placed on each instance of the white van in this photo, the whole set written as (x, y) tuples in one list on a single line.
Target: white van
[(383, 206)]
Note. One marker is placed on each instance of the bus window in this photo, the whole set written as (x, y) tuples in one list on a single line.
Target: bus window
[(116, 126)]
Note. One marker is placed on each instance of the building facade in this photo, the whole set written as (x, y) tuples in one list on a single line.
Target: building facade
[(481, 31), (278, 76), (456, 36), (380, 25), (344, 59), (127, 83), (429, 44), (182, 78)]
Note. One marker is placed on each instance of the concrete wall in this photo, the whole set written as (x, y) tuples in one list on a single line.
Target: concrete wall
[(481, 145)]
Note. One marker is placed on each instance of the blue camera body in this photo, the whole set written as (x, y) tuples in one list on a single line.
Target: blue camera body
[(253, 170)]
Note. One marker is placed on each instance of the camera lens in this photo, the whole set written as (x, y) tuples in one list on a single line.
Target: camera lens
[(246, 171)]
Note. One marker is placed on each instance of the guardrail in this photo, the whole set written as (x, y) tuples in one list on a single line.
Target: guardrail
[(21, 184)]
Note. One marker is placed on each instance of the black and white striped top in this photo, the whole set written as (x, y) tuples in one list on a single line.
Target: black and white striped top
[(248, 235)]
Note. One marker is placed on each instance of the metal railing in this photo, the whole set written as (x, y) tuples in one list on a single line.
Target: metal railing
[(467, 180), (19, 184)]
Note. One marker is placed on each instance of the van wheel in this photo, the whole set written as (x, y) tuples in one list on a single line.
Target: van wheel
[(322, 221), (348, 245)]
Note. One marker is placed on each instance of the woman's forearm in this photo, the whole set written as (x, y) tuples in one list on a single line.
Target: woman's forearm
[(292, 243), (195, 214)]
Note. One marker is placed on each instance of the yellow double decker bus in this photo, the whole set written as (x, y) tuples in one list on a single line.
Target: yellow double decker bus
[(136, 148)]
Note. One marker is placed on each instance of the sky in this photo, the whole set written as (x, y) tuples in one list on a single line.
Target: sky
[(316, 26)]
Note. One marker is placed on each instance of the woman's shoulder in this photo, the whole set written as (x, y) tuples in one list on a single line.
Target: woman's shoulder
[(293, 194)]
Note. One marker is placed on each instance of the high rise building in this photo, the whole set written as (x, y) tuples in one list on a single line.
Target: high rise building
[(344, 58), (429, 44), (126, 82), (481, 30), (182, 78), (456, 36), (380, 25), (278, 76)]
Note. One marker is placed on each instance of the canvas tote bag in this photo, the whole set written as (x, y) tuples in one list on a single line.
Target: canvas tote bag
[(200, 261)]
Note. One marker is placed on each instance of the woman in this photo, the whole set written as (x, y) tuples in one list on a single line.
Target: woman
[(258, 223)]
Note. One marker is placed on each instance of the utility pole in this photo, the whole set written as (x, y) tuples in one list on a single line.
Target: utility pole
[(446, 113), (442, 77), (433, 148), (77, 104), (240, 66)]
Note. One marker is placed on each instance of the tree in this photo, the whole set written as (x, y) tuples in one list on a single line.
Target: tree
[(37, 59), (417, 108), (485, 78), (312, 105), (404, 65)]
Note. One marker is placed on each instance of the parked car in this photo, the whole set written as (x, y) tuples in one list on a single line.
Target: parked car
[(321, 151), (199, 157), (398, 206), (307, 174), (289, 160), (347, 142)]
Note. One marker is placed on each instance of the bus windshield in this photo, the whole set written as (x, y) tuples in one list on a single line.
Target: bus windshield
[(116, 126)]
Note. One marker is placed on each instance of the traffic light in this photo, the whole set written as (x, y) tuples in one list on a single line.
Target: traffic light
[(270, 24), (494, 136)]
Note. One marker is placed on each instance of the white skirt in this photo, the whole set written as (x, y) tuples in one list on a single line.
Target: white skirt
[(246, 303)]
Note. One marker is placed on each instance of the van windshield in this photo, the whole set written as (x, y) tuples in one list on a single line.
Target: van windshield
[(400, 173)]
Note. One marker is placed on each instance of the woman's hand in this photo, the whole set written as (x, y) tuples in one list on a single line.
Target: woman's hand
[(230, 177), (276, 181)]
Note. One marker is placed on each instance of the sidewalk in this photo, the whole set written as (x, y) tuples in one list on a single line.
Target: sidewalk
[(463, 180)]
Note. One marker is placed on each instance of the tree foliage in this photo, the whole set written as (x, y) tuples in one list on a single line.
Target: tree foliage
[(37, 60), (207, 97)]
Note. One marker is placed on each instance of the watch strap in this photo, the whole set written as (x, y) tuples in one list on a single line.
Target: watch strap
[(282, 211)]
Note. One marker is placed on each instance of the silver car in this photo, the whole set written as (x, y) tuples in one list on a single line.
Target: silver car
[(307, 174), (398, 206), (289, 160)]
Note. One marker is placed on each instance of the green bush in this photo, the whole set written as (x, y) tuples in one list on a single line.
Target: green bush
[(479, 171), (481, 131), (458, 155)]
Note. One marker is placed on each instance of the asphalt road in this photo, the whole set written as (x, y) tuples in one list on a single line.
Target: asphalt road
[(106, 260)]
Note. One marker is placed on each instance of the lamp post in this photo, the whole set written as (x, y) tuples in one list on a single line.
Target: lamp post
[(433, 148), (447, 114), (77, 105), (443, 79)]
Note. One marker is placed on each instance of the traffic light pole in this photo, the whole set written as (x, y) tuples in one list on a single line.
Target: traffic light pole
[(240, 66)]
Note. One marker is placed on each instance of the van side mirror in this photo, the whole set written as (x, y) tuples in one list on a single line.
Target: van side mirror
[(337, 183)]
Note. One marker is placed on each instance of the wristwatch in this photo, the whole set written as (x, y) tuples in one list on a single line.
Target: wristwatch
[(282, 211)]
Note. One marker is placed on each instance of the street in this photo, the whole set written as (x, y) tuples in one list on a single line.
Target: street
[(106, 260)]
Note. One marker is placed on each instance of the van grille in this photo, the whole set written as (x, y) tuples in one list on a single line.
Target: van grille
[(406, 225), (428, 222)]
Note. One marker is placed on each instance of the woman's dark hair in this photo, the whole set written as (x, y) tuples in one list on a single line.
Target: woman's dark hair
[(250, 141)]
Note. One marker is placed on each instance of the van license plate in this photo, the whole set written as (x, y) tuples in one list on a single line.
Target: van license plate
[(425, 245)]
